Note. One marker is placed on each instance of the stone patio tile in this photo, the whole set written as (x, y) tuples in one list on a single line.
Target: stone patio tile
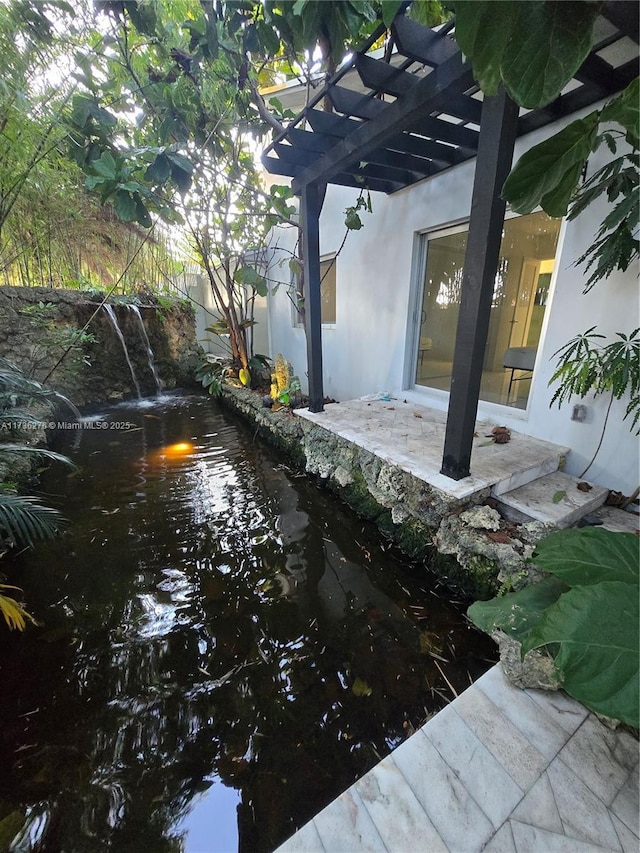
[(536, 499), (584, 815), (461, 823), (564, 710), (359, 421), (630, 842), (531, 839), (502, 841), (626, 805), (398, 816), (618, 520), (305, 840), (527, 716), (538, 808), (484, 778), (346, 822), (601, 758), (511, 748)]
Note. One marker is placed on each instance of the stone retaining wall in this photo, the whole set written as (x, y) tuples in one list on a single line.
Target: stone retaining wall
[(470, 548), (33, 327)]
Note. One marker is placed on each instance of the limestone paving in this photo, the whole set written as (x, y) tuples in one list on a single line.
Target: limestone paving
[(499, 769)]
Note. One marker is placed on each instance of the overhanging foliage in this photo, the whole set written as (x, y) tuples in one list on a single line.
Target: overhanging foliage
[(586, 615)]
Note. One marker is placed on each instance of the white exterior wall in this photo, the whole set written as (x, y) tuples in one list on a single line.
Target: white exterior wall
[(372, 346)]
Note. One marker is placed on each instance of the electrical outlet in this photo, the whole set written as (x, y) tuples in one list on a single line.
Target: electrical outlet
[(579, 413)]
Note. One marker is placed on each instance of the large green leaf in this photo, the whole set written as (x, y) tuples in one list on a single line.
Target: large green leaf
[(102, 116), (556, 202), (517, 612), (143, 217), (390, 9), (549, 43), (125, 206), (533, 47), (596, 628), (81, 110), (252, 278), (624, 109), (159, 171), (10, 825), (105, 166), (482, 31), (589, 556), (542, 169)]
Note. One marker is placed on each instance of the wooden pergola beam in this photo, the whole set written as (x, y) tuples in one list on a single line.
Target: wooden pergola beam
[(275, 166), (625, 16), (311, 204), (431, 47), (393, 170), (362, 106), (330, 124), (498, 130), (577, 99), (382, 77), (430, 94)]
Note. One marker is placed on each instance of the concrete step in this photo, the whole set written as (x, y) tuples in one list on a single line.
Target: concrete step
[(536, 458), (553, 499), (618, 520)]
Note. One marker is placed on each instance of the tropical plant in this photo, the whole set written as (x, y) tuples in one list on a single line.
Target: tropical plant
[(13, 613), (211, 374), (585, 614), (285, 386), (586, 366), (24, 520), (534, 49), (549, 174)]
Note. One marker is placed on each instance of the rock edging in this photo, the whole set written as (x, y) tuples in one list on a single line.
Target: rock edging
[(471, 548)]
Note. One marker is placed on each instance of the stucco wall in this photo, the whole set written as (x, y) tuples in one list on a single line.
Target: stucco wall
[(367, 350)]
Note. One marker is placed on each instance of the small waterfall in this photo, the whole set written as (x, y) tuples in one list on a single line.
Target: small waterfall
[(111, 314), (147, 344), (72, 406)]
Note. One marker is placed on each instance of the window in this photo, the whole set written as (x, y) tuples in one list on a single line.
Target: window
[(520, 297), (328, 289), (327, 293)]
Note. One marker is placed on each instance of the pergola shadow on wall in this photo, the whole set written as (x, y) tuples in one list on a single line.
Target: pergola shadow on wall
[(396, 123)]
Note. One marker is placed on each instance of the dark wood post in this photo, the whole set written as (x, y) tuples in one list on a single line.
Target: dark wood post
[(311, 205), (498, 129)]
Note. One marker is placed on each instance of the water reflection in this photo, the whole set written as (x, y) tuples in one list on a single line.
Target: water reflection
[(224, 649)]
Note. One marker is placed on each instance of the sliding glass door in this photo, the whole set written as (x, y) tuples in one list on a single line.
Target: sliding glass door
[(520, 299)]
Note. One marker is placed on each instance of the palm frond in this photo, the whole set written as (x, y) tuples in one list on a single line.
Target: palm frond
[(38, 451), (13, 612), (24, 417), (13, 381), (23, 519)]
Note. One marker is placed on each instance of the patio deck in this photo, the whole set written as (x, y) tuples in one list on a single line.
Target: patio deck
[(412, 437), (500, 770)]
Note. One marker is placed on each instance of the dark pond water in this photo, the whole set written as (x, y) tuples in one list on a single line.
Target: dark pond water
[(224, 648)]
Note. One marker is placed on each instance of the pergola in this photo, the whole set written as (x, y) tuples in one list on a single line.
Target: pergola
[(412, 118)]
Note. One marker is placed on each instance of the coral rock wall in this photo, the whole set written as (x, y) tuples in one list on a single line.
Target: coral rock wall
[(35, 325)]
